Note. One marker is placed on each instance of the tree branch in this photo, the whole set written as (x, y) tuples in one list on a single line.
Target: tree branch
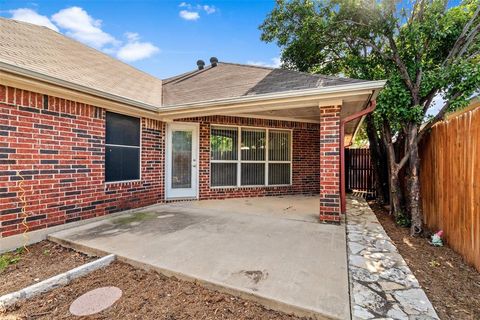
[(438, 117), (403, 69), (471, 36), (404, 160), (461, 39), (375, 48), (427, 100)]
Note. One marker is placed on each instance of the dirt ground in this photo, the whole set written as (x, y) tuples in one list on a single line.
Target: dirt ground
[(43, 260), (146, 295), (452, 286)]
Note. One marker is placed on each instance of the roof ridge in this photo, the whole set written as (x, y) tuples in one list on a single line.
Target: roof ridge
[(80, 43), (185, 75), (318, 75), (29, 23), (250, 65)]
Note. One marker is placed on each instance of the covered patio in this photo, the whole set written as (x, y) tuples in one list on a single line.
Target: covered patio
[(269, 249)]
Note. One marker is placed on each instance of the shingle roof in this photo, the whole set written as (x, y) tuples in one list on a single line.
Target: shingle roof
[(50, 53), (229, 80), (44, 51)]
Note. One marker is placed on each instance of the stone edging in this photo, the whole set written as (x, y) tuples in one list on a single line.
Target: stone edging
[(55, 281), (382, 286)]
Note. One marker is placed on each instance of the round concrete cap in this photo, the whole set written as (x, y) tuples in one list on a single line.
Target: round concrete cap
[(95, 301)]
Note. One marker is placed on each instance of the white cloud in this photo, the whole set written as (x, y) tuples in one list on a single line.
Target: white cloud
[(192, 12), (136, 50), (132, 36), (82, 27), (29, 15), (274, 63), (209, 9), (189, 15), (78, 24)]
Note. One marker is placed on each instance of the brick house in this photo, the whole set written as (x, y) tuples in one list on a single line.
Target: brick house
[(83, 135)]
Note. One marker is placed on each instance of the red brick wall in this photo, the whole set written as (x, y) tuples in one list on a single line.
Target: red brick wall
[(305, 163), (330, 164), (58, 149)]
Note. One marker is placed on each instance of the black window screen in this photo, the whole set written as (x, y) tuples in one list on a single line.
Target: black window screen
[(123, 130), (122, 150)]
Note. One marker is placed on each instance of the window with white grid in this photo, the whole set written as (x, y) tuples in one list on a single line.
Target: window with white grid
[(246, 156)]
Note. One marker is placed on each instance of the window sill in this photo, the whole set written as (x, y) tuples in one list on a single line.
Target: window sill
[(110, 183), (253, 187)]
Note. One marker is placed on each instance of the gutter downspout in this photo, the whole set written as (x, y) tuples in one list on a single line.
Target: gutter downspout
[(369, 109)]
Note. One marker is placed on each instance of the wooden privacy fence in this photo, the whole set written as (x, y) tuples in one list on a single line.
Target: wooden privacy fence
[(450, 182), (359, 173)]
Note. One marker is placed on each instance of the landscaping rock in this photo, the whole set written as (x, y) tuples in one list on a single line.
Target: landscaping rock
[(361, 313), (54, 282), (367, 298), (95, 301), (415, 301), (383, 287), (363, 275)]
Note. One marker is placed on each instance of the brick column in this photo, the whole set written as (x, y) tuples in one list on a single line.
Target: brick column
[(330, 164)]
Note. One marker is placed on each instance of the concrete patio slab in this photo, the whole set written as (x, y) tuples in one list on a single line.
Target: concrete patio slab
[(271, 250)]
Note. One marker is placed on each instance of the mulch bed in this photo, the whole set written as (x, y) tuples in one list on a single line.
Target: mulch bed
[(146, 295), (42, 260), (452, 286)]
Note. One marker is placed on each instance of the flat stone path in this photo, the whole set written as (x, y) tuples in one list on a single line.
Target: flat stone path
[(381, 284)]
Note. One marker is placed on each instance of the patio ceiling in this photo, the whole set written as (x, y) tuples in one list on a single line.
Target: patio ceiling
[(312, 114)]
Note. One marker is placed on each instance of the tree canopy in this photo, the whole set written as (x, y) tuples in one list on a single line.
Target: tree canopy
[(425, 49)]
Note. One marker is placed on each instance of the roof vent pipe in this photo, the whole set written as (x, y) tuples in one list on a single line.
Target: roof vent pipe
[(214, 61), (200, 64)]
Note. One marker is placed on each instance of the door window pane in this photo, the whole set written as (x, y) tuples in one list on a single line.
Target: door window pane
[(181, 159), (253, 145), (224, 143), (279, 145), (279, 173), (224, 174), (253, 174)]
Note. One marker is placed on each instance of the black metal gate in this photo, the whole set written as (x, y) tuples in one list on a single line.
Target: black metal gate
[(359, 175)]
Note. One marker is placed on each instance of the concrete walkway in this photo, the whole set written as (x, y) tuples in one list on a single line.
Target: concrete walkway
[(382, 285), (271, 250)]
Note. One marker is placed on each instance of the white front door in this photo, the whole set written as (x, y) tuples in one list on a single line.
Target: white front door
[(181, 176)]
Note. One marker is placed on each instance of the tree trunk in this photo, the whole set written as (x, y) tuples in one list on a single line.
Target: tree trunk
[(379, 158), (396, 195), (414, 184)]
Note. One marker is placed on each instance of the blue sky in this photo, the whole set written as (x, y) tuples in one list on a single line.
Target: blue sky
[(163, 38)]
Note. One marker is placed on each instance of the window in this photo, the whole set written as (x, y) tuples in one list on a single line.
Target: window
[(224, 150), (122, 148), (250, 156)]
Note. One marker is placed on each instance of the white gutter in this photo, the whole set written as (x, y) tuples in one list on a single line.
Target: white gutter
[(370, 85), (70, 85)]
